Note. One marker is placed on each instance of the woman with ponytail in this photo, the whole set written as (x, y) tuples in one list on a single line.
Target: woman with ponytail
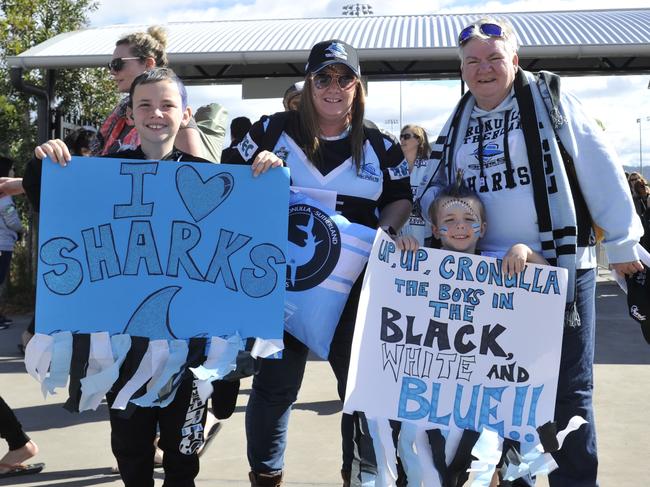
[(135, 54)]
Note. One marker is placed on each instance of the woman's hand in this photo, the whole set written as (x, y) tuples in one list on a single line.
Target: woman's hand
[(11, 186), (407, 242), (264, 161), (56, 150)]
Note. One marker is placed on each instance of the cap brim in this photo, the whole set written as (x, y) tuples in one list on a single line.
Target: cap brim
[(335, 61)]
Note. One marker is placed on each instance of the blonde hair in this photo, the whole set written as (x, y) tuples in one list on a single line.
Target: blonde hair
[(148, 44), (509, 39), (311, 129), (424, 148)]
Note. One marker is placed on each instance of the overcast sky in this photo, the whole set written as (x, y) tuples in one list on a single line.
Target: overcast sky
[(618, 101)]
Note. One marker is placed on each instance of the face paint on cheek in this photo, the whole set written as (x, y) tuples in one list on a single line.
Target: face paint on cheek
[(477, 229), (444, 230)]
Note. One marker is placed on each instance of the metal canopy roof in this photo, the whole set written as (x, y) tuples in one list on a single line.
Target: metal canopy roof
[(419, 46)]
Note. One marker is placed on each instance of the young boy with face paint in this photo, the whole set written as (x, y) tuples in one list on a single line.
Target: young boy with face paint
[(458, 221), (158, 107)]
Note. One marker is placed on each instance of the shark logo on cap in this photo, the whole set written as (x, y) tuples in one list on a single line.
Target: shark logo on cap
[(336, 50)]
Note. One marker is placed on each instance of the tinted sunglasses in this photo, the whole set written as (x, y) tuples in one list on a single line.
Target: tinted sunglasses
[(490, 30), (323, 80), (407, 136), (118, 63)]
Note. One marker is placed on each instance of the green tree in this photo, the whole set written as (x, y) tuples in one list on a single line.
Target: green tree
[(88, 93), (84, 92)]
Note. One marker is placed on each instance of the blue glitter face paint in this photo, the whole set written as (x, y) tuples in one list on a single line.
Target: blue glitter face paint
[(477, 229)]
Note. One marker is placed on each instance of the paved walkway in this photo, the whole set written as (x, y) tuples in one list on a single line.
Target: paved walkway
[(76, 450)]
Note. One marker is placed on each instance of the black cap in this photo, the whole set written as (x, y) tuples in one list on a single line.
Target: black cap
[(333, 52), (638, 300)]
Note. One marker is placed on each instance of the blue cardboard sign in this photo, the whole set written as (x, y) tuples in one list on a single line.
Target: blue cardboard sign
[(161, 249)]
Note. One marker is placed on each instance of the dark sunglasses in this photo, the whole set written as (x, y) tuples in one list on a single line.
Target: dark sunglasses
[(407, 136), (322, 80), (118, 63), (490, 30)]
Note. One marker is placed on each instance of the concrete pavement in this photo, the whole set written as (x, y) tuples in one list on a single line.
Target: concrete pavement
[(76, 449)]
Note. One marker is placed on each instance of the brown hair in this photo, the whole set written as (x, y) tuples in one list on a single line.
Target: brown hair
[(640, 185), (155, 76), (459, 190), (311, 129), (637, 176), (148, 44), (424, 149)]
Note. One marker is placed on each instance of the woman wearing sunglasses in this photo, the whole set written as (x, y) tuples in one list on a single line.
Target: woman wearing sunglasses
[(327, 146), (415, 145), (541, 165), (133, 55)]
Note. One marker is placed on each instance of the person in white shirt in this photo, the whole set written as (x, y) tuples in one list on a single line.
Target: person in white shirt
[(541, 166)]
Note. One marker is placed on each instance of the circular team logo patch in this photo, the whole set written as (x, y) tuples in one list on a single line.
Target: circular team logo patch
[(314, 247)]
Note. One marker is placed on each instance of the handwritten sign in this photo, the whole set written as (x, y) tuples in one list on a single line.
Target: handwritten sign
[(446, 340), (161, 249)]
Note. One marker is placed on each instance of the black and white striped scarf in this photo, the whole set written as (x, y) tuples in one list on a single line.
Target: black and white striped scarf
[(538, 100)]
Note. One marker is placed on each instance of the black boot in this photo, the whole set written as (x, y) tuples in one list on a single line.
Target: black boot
[(346, 474), (265, 479)]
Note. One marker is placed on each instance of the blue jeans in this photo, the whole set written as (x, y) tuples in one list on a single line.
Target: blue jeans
[(275, 389), (577, 460)]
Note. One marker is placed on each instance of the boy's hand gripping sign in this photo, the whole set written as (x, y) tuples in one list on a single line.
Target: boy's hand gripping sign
[(447, 341)]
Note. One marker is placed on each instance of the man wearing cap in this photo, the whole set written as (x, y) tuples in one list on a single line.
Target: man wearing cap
[(541, 166)]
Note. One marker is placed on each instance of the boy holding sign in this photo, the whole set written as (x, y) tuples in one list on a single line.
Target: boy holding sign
[(458, 221), (158, 107)]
